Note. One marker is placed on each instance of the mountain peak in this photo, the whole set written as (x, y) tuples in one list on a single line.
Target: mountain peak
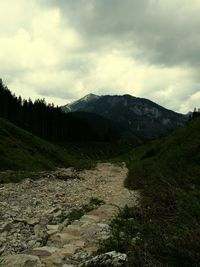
[(89, 97), (79, 104)]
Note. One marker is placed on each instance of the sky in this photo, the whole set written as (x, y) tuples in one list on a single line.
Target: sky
[(62, 50)]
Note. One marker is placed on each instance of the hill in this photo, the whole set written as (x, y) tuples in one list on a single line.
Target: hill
[(164, 231), (21, 150), (142, 117)]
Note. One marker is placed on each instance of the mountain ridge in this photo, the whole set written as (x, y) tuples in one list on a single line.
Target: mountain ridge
[(141, 116), (88, 97)]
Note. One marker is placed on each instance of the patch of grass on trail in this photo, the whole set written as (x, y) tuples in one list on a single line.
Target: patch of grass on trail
[(165, 229), (76, 214)]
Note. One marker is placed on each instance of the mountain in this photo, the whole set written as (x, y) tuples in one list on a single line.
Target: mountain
[(141, 116)]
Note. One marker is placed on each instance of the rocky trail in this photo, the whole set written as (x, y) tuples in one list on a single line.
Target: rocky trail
[(60, 218)]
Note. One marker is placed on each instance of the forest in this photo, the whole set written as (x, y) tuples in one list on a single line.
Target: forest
[(50, 122)]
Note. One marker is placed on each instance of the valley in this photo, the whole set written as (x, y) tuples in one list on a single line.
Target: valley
[(84, 188), (99, 133)]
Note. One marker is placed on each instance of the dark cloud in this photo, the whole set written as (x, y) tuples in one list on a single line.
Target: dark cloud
[(165, 32)]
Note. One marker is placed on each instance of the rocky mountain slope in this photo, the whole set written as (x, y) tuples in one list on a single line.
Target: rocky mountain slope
[(142, 117)]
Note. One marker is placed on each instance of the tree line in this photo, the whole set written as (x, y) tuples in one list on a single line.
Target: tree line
[(196, 113), (47, 121)]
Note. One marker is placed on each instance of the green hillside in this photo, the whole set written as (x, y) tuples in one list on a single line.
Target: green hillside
[(172, 161), (20, 150), (23, 151), (165, 230)]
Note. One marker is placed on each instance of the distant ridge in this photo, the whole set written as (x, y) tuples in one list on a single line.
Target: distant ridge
[(141, 116)]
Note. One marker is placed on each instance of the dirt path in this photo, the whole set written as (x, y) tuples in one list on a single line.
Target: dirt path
[(35, 215)]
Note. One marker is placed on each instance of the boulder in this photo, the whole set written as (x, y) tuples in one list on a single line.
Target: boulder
[(44, 251)]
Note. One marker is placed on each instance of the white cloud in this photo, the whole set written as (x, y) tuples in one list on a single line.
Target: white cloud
[(46, 44), (32, 59), (192, 102), (17, 14), (116, 73)]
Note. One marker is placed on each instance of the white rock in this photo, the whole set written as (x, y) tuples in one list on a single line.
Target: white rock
[(111, 259)]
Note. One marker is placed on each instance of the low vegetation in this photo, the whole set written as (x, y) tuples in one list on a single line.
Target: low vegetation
[(165, 229), (96, 151), (76, 214)]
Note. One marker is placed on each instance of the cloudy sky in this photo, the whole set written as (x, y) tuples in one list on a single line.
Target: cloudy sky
[(65, 49)]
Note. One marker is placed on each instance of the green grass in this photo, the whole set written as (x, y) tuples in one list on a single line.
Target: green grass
[(96, 151), (76, 214), (23, 152), (165, 229)]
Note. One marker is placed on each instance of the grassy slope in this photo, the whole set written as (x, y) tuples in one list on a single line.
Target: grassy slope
[(24, 152), (20, 150), (97, 151), (165, 231)]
